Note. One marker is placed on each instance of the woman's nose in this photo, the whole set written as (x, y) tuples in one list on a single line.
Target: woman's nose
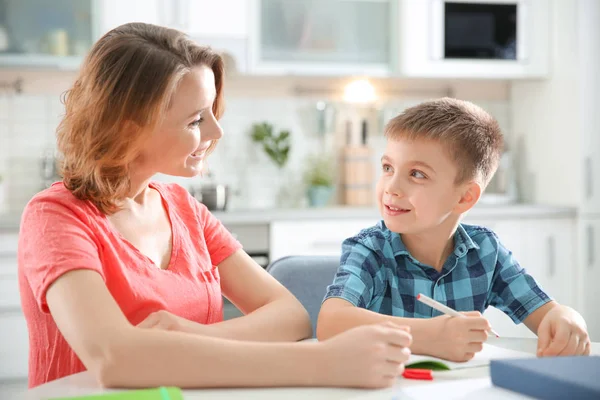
[(212, 130)]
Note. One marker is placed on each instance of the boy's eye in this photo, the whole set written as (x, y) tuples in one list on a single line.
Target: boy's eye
[(415, 173), (386, 168)]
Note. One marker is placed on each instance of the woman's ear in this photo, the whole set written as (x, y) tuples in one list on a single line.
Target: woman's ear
[(471, 192)]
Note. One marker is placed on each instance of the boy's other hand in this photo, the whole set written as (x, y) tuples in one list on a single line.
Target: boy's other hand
[(563, 332), (369, 356), (458, 339)]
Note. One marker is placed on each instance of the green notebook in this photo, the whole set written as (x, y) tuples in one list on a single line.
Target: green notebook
[(161, 393)]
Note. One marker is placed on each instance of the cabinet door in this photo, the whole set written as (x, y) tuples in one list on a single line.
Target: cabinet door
[(590, 274), (46, 34), (320, 238), (14, 345), (112, 13), (216, 19), (324, 37), (589, 86)]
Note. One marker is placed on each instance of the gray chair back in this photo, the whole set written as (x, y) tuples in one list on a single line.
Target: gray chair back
[(307, 277)]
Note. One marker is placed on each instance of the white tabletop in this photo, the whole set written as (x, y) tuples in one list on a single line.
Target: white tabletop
[(472, 383)]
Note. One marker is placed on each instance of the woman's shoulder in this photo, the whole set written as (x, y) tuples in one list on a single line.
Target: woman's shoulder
[(54, 202)]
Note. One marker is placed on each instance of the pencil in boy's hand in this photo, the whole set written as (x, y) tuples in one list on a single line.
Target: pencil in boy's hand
[(444, 309)]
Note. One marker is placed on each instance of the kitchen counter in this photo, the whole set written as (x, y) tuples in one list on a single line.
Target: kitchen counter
[(10, 222), (252, 217)]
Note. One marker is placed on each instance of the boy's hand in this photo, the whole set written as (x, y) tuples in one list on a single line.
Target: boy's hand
[(369, 356), (458, 339), (562, 332)]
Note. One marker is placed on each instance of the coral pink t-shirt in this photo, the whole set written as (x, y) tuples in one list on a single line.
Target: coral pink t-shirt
[(60, 233)]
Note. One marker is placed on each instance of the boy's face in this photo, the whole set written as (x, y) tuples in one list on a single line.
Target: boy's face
[(416, 190)]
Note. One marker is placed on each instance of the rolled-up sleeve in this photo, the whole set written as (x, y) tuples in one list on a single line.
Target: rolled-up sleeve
[(514, 291), (354, 279)]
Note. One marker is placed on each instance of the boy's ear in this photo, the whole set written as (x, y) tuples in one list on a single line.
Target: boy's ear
[(471, 192)]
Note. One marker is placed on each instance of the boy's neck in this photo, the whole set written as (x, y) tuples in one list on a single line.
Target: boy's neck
[(432, 247)]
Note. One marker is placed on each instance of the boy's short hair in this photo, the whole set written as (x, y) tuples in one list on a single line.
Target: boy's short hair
[(471, 135)]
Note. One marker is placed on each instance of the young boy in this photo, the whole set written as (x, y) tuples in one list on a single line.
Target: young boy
[(440, 155)]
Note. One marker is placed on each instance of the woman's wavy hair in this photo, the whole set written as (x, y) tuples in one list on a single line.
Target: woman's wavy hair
[(125, 85)]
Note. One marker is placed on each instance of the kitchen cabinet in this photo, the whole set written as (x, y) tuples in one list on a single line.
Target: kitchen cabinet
[(314, 37), (112, 13), (546, 248), (426, 35), (222, 24), (589, 232), (589, 102), (14, 344), (36, 33), (315, 237)]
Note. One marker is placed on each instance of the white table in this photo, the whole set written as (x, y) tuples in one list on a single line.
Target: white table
[(478, 387)]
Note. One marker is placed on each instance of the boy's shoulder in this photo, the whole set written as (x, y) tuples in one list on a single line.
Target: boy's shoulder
[(377, 238), (486, 239)]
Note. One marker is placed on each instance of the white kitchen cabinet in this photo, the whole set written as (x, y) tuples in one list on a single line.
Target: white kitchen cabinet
[(46, 34), (546, 248), (315, 37), (216, 19), (315, 237), (422, 41), (589, 64), (589, 232), (14, 345), (112, 13)]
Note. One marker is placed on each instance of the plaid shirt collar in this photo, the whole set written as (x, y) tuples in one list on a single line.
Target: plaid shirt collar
[(462, 243)]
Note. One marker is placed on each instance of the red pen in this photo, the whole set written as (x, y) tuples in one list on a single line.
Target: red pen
[(416, 373)]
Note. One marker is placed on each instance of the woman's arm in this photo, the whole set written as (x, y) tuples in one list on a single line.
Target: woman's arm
[(121, 355), (272, 313)]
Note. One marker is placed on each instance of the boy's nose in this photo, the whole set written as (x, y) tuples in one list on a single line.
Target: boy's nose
[(394, 191)]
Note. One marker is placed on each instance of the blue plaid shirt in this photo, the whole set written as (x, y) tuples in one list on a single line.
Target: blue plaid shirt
[(378, 273)]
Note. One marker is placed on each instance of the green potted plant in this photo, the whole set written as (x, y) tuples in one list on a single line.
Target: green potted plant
[(319, 179), (276, 145)]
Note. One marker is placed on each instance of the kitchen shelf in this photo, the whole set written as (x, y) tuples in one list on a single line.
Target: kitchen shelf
[(33, 61)]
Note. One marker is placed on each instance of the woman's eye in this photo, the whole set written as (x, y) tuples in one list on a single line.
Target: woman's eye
[(417, 174), (196, 122), (386, 168)]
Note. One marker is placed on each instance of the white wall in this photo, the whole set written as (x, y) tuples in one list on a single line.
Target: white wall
[(28, 122), (546, 118)]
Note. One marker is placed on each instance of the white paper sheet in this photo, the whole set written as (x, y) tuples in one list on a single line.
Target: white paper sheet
[(482, 358)]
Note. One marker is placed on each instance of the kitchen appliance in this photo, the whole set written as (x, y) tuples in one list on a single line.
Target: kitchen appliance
[(479, 29), (502, 188), (214, 196), (475, 38), (49, 169)]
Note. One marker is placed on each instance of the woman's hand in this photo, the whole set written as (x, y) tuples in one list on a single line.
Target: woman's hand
[(369, 356)]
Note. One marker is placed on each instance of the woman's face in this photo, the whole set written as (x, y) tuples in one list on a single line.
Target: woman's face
[(178, 145)]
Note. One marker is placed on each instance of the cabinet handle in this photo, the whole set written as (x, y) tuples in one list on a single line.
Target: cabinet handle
[(551, 256), (590, 247), (589, 181)]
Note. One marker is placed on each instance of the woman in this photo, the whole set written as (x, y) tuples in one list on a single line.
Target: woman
[(123, 276)]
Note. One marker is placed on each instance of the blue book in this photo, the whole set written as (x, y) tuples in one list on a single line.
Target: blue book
[(549, 377)]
